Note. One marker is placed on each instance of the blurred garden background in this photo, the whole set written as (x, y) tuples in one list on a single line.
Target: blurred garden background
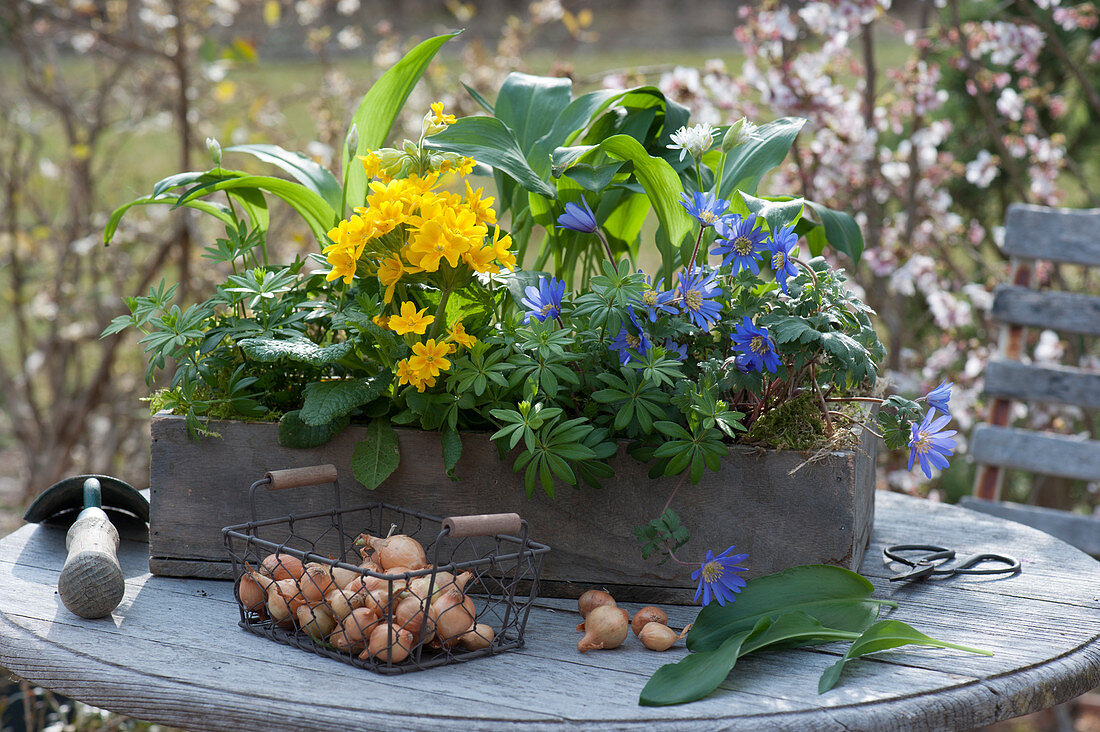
[(928, 118)]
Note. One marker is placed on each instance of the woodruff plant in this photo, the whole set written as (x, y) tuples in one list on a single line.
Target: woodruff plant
[(413, 310)]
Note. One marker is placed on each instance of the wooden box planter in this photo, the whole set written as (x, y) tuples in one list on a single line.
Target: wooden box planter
[(820, 514)]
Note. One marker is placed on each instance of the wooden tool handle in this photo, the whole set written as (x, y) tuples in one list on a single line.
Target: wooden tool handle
[(299, 477), (91, 583), (485, 524)]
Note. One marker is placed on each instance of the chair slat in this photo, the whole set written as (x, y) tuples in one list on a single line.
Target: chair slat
[(1060, 311), (1035, 452), (1056, 235), (1024, 382)]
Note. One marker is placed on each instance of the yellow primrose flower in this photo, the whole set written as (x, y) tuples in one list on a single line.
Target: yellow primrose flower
[(384, 217), (482, 207), (438, 117), (459, 335), (372, 164), (429, 358), (410, 320), (480, 259), (466, 166), (350, 234), (502, 248), (389, 272), (343, 265), (431, 243), (382, 321)]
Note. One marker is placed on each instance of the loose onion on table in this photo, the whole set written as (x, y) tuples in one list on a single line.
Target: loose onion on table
[(593, 599), (658, 636), (647, 615), (605, 627)]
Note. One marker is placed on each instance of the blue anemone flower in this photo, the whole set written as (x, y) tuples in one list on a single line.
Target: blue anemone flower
[(939, 397), (758, 347), (696, 293), (578, 218), (739, 242), (655, 301), (931, 443), (718, 578), (628, 341), (544, 301), (707, 208), (678, 351), (782, 242)]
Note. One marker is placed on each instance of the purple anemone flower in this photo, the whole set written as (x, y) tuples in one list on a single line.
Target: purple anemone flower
[(706, 208), (739, 243), (578, 218), (696, 292), (782, 242), (757, 345), (718, 578), (654, 301), (930, 444), (544, 301), (678, 351), (939, 397), (631, 340)]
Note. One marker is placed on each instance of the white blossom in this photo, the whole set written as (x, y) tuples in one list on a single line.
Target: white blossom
[(695, 140)]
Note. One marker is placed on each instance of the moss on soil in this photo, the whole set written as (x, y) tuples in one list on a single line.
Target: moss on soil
[(793, 425)]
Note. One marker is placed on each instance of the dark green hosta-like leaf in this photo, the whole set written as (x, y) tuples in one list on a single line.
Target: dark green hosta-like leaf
[(777, 212), (841, 231), (303, 350), (883, 636), (295, 433), (379, 108), (490, 141), (746, 164), (377, 455), (837, 597), (327, 400), (529, 105)]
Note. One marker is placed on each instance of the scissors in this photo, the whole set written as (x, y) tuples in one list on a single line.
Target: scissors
[(934, 558)]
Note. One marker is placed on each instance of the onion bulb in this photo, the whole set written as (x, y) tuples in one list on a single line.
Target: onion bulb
[(398, 550), (453, 612), (342, 602), (411, 615), (343, 576), (592, 600), (419, 585), (647, 615), (366, 583), (352, 632), (478, 637), (316, 582), (283, 600), (251, 592), (658, 636), (389, 644), (282, 566), (605, 627), (317, 620)]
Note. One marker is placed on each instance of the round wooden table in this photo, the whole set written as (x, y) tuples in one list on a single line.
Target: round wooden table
[(172, 652)]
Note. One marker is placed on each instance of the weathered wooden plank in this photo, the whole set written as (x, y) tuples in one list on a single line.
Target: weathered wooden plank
[(1076, 530), (1053, 234), (1061, 311), (1027, 382), (1035, 452), (822, 513)]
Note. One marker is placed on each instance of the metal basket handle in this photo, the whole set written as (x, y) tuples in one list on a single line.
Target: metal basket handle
[(484, 524)]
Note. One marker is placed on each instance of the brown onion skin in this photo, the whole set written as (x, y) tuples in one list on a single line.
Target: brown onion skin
[(647, 615), (605, 627), (478, 637), (388, 644), (593, 599), (252, 592), (658, 636), (282, 566), (352, 633)]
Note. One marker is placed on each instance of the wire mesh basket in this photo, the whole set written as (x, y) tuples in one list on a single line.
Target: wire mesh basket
[(316, 580)]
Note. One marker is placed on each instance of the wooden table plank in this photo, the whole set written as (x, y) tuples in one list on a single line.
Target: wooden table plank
[(204, 672)]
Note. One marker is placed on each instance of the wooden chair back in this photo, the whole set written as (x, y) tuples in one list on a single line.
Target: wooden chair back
[(1057, 236)]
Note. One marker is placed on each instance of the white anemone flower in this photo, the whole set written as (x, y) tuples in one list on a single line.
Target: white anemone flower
[(693, 140)]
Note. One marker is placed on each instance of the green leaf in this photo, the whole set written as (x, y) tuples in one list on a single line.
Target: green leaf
[(837, 597), (776, 212), (303, 350), (841, 230), (298, 166), (529, 105), (327, 400), (377, 455), (883, 636), (316, 212), (379, 108), (295, 433), (488, 140), (572, 120), (216, 210), (697, 674), (452, 450), (657, 177), (746, 164), (477, 97)]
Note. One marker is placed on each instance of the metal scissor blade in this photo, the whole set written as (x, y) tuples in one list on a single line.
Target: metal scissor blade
[(919, 572)]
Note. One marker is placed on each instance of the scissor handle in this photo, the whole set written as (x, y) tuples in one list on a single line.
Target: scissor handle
[(966, 566), (935, 552)]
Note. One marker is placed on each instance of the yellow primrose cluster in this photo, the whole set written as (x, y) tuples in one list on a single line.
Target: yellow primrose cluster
[(414, 231)]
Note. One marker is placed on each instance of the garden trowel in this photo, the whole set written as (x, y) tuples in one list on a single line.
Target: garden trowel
[(91, 583)]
